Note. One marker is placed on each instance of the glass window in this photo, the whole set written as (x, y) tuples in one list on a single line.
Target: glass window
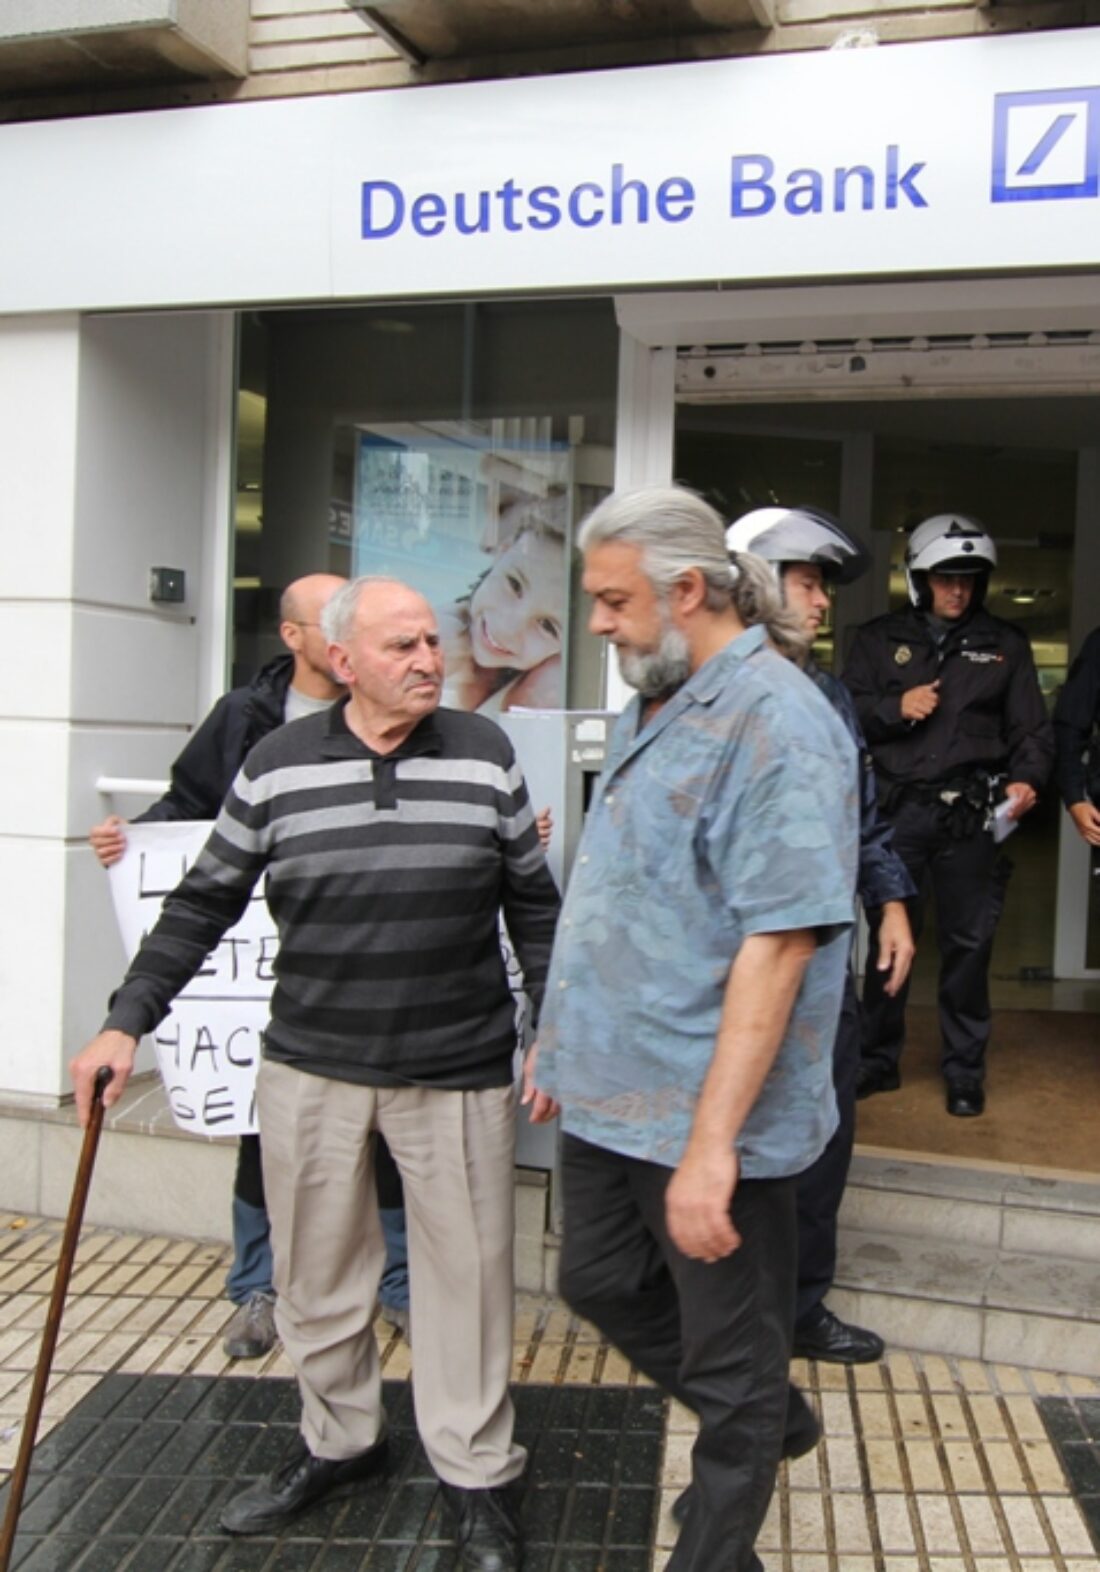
[(455, 447), (738, 469)]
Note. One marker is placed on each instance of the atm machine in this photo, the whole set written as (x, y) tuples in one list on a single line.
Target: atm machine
[(561, 754)]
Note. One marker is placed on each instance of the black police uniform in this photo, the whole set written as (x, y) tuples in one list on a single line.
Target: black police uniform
[(882, 878), (1076, 716), (936, 781)]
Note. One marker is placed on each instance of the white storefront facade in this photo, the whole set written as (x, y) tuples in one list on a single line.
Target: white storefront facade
[(921, 222)]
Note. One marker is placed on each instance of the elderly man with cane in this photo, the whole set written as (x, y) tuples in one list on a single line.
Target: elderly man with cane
[(392, 834)]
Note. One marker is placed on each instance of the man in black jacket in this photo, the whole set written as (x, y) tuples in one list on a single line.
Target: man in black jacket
[(1075, 717), (950, 705), (288, 687)]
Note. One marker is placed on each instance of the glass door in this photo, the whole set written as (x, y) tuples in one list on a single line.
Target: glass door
[(741, 469), (916, 459), (1026, 497)]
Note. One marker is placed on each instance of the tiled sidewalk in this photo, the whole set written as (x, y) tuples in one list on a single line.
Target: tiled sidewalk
[(928, 1464)]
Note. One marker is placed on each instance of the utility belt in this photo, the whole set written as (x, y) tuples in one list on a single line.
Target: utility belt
[(963, 803)]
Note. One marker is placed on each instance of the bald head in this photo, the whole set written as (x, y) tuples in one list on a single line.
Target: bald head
[(305, 599), (300, 611)]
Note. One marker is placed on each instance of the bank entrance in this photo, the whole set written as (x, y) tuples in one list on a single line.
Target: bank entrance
[(1023, 463), (882, 404)]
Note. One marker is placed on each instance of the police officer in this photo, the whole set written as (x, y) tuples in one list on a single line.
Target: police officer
[(950, 705), (810, 553), (1076, 715)]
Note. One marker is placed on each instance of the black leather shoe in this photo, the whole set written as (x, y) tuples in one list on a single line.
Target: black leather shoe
[(834, 1342), (965, 1099), (298, 1483), (802, 1433), (800, 1438), (872, 1078), (486, 1532), (680, 1506)]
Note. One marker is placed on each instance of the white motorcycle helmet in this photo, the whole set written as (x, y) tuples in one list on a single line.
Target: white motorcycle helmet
[(948, 543), (802, 534)]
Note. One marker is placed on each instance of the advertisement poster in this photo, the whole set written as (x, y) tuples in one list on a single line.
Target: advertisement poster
[(208, 1046), (476, 517)]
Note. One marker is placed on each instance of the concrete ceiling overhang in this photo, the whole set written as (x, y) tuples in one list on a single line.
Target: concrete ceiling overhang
[(426, 30), (54, 45)]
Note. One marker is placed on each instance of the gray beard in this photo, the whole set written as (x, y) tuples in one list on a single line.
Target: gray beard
[(656, 674)]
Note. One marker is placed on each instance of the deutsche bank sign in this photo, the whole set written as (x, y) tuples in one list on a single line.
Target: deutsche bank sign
[(1046, 145), (945, 157), (934, 159), (617, 199)]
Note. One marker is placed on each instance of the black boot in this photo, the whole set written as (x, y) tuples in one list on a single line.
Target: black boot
[(965, 1099), (833, 1341), (873, 1076)]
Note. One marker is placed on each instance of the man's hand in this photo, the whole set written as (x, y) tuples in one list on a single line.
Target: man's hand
[(918, 703), (544, 824), (760, 992), (116, 1049), (542, 1105), (1022, 797), (1087, 820), (109, 840), (697, 1204), (895, 946)]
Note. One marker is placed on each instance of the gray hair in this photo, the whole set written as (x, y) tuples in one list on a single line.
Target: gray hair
[(675, 530), (339, 611)]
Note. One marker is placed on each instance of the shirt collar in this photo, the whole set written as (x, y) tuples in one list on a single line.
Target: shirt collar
[(702, 687), (340, 742), (705, 685)]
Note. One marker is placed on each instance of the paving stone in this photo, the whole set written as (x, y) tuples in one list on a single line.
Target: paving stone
[(932, 1462), (1074, 1427), (137, 1475), (1071, 1529)]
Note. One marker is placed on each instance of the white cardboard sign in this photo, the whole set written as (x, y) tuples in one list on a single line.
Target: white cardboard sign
[(208, 1047)]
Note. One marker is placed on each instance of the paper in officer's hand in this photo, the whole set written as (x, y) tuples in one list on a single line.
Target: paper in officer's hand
[(1003, 825)]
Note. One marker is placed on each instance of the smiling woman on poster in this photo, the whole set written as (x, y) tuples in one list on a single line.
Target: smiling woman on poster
[(502, 641)]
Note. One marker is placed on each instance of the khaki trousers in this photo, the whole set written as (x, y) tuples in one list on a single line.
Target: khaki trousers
[(455, 1152)]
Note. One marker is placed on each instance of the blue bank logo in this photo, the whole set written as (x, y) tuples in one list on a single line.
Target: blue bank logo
[(1046, 145)]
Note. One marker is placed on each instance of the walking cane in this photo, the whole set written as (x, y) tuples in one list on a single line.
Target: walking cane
[(53, 1317)]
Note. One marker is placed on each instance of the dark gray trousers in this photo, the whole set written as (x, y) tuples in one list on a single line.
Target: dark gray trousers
[(821, 1186), (717, 1337), (968, 878)]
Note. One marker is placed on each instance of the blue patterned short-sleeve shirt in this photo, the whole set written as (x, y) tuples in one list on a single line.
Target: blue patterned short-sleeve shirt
[(732, 812)]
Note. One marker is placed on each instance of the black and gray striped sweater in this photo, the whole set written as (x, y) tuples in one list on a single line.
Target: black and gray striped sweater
[(386, 875)]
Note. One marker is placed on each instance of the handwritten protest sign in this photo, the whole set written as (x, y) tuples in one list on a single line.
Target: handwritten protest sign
[(208, 1047)]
